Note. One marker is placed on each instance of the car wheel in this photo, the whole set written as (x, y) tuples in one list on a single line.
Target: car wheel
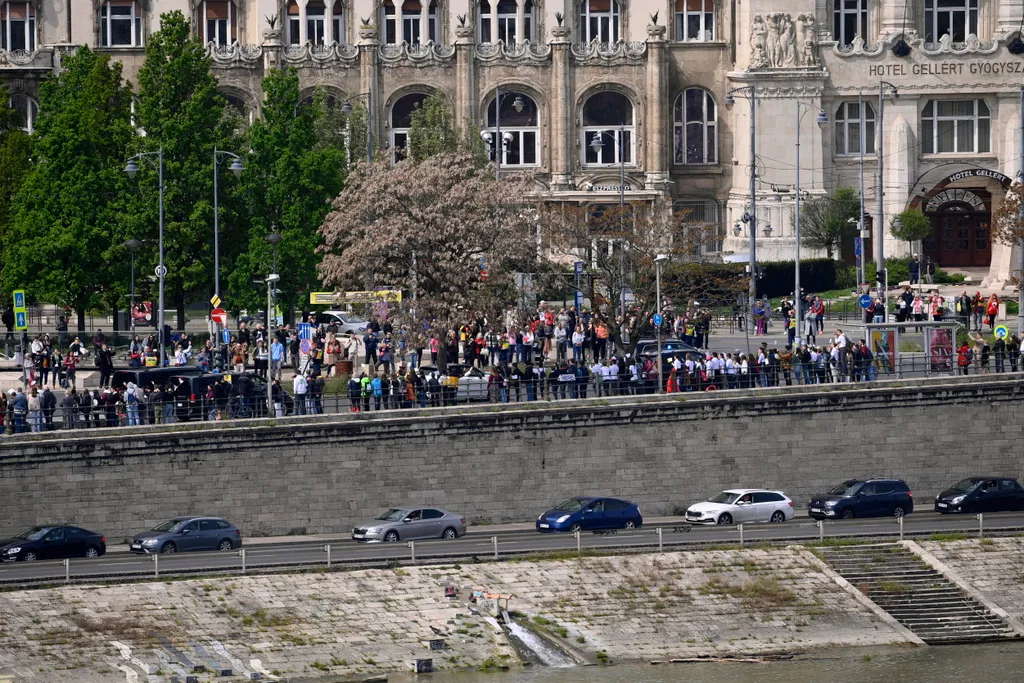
[(168, 549), (848, 513), (778, 517), (450, 533), (725, 519), (225, 545), (28, 557), (898, 511), (576, 526), (391, 537), (92, 552), (631, 524)]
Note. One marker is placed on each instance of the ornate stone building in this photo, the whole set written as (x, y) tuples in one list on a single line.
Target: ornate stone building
[(595, 88)]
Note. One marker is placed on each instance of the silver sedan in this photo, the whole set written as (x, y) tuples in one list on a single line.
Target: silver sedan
[(410, 524)]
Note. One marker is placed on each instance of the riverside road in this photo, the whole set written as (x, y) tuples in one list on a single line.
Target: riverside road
[(479, 543)]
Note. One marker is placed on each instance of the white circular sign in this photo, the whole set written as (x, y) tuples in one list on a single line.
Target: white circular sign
[(161, 271)]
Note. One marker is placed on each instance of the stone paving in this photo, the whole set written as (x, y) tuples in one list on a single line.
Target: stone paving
[(644, 607), (993, 566)]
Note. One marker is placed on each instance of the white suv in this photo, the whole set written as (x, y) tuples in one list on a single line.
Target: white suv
[(742, 506)]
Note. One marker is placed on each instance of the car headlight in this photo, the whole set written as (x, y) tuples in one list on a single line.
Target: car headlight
[(561, 519), (14, 551), (150, 541), (957, 500), (830, 503), (373, 530), (540, 517)]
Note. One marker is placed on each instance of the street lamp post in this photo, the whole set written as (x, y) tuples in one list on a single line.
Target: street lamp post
[(132, 246), (518, 104), (880, 273), (658, 260), (822, 119), (750, 218), (236, 168), (597, 145), (274, 239), (346, 109), (1020, 188), (132, 168)]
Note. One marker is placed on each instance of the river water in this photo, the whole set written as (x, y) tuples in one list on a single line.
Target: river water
[(1002, 663)]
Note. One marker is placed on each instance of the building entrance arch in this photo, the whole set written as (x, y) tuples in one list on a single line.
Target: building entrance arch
[(961, 228)]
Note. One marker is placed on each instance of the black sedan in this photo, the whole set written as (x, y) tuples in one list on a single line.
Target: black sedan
[(981, 494), (52, 543)]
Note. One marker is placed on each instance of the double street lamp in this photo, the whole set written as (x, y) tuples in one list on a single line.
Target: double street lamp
[(658, 260), (132, 169), (751, 217), (346, 108), (822, 119), (518, 104), (132, 246), (274, 239), (236, 168)]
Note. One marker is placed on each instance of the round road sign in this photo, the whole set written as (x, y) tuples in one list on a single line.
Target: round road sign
[(865, 301), (161, 271), (304, 346), (658, 319), (219, 316), (1001, 332)]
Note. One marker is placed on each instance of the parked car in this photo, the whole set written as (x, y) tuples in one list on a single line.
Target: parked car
[(52, 542), (190, 401), (343, 321), (649, 347), (742, 506), (143, 376), (586, 513), (863, 498), (409, 524), (981, 494), (472, 381), (183, 534)]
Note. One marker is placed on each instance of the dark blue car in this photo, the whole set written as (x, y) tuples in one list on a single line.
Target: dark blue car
[(586, 513)]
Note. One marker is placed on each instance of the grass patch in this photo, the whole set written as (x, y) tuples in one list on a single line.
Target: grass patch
[(952, 536), (894, 587), (763, 592)]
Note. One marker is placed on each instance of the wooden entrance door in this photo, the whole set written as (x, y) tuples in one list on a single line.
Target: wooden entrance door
[(960, 238)]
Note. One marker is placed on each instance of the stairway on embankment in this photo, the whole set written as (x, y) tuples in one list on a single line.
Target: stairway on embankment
[(921, 598)]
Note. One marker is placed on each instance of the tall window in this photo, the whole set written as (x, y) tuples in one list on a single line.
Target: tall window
[(958, 18), (316, 15), (849, 20), (604, 143), (599, 20), (338, 23), (121, 23), (411, 11), (695, 20), (17, 26), (410, 27), (701, 223), (506, 17), (389, 23), (401, 120), (25, 110), (220, 22), (294, 32), (520, 131), (695, 129), (848, 128), (955, 127), (434, 21)]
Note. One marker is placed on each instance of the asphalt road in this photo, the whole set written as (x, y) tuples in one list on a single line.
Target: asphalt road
[(309, 555)]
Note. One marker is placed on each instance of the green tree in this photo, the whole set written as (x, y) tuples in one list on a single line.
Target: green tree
[(825, 220), (295, 167), (911, 226), (433, 131), (181, 112), (15, 148), (61, 247)]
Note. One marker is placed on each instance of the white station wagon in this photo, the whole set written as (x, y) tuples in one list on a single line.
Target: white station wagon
[(742, 506)]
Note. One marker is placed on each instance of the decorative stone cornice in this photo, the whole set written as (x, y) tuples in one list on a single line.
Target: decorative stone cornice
[(428, 53), (517, 53), (972, 46), (368, 35), (235, 54), (597, 52), (560, 34), (341, 55), (464, 35), (656, 33), (36, 59)]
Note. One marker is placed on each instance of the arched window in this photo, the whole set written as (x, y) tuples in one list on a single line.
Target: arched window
[(505, 13), (848, 129), (695, 130), (958, 18), (599, 21), (520, 129), (529, 20), (294, 23), (850, 19), (338, 23), (17, 26), (608, 129), (26, 109), (220, 23), (401, 120), (318, 20), (121, 23), (695, 21), (419, 23)]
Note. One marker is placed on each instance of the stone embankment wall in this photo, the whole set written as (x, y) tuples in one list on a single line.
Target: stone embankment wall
[(507, 464), (993, 567), (650, 607)]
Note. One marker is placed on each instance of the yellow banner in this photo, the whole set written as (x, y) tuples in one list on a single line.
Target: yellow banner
[(369, 297)]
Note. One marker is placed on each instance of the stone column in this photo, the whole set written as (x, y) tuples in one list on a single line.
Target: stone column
[(520, 21), (561, 129), (329, 22), (303, 38), (465, 100), (399, 23), (369, 81), (271, 49), (494, 21), (657, 114), (424, 21), (896, 16), (1009, 17)]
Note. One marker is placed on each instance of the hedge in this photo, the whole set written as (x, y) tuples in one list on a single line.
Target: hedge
[(816, 275)]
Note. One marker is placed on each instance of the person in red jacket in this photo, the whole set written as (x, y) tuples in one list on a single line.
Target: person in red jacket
[(963, 358), (991, 310)]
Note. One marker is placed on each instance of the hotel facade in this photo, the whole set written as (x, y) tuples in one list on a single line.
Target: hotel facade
[(923, 94)]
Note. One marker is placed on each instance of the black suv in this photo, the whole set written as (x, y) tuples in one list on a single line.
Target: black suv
[(863, 498), (981, 494)]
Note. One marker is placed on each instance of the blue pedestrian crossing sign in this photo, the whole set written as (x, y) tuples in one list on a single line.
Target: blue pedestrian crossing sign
[(1001, 332), (658, 319), (20, 311), (865, 301)]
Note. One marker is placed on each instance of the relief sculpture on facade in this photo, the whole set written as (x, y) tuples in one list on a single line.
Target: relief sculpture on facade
[(778, 42)]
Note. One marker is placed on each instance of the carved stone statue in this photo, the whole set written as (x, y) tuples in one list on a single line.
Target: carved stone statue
[(807, 40), (772, 45), (758, 37), (787, 40)]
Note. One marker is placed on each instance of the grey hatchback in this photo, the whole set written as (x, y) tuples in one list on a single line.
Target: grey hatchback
[(408, 524), (184, 534)]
